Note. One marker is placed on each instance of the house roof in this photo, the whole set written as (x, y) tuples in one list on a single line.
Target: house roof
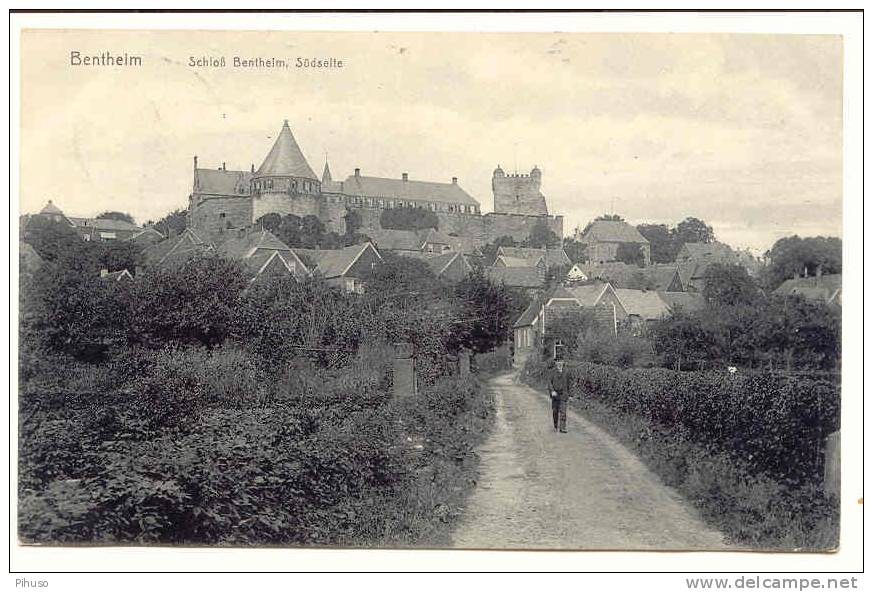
[(396, 240), (245, 243), (262, 260), (588, 294), (613, 231), (688, 301), (176, 249), (552, 256), (825, 287), (512, 261), (222, 182), (432, 235), (332, 263), (646, 304), (516, 277), (711, 250), (439, 263), (622, 275), (450, 193), (530, 314), (51, 208), (104, 224), (285, 158), (117, 276)]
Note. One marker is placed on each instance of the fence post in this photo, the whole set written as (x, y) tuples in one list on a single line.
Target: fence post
[(464, 364), (404, 370), (832, 463)]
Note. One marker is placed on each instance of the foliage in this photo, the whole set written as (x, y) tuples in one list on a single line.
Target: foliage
[(121, 216), (663, 247), (54, 240), (118, 255), (692, 230), (576, 251), (194, 303), (408, 218), (487, 311), (630, 253), (770, 332), (730, 285), (623, 350), (489, 251), (173, 224), (307, 232), (541, 236), (802, 256)]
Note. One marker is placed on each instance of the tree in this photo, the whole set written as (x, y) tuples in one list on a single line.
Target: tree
[(692, 230), (661, 241), (541, 236), (54, 240), (729, 285), (489, 251), (603, 217), (630, 253), (122, 216), (353, 222), (173, 223), (406, 218), (192, 304), (487, 313), (802, 256), (576, 251), (115, 256)]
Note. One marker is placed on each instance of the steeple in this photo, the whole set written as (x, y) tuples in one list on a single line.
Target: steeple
[(325, 176), (285, 158)]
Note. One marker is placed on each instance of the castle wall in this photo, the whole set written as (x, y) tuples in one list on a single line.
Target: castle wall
[(217, 214), (518, 226)]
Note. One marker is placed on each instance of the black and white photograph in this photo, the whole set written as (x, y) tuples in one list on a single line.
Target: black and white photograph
[(306, 288)]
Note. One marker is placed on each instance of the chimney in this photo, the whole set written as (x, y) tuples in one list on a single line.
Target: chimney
[(405, 176), (224, 166), (104, 272), (454, 180), (253, 167), (195, 162), (357, 172)]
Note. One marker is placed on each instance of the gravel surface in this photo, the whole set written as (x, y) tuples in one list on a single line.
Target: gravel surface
[(540, 489)]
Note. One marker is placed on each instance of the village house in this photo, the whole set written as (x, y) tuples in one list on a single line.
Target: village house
[(451, 266), (825, 288), (603, 239), (663, 277), (263, 254), (92, 229), (529, 279), (177, 250), (346, 268), (544, 258)]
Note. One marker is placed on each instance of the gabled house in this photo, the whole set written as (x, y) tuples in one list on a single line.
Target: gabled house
[(116, 276), (529, 279), (560, 302), (576, 274), (92, 229), (827, 288), (642, 307), (262, 253), (686, 301), (147, 236), (345, 268), (604, 237), (450, 266), (534, 257), (621, 275), (177, 250)]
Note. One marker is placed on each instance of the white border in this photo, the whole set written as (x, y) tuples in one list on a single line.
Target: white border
[(848, 559)]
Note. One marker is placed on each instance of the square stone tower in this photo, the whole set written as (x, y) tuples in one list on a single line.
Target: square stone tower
[(518, 194)]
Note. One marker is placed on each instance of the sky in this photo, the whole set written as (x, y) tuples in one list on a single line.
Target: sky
[(741, 131)]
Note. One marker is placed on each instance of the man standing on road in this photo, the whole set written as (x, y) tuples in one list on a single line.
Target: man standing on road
[(559, 389)]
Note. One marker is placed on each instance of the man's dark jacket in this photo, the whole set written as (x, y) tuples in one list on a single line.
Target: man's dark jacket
[(558, 382)]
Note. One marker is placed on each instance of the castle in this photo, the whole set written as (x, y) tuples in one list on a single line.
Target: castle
[(223, 199)]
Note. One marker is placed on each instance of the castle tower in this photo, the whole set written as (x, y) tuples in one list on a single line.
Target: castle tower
[(518, 194), (285, 183), (325, 176)]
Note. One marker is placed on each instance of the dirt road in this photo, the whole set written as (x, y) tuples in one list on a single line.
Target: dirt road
[(579, 490)]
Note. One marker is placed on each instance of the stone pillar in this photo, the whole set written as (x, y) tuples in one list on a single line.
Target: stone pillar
[(832, 463), (464, 364), (404, 370)]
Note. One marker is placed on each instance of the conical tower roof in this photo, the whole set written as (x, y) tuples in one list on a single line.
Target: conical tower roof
[(326, 176), (50, 208), (285, 158)]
